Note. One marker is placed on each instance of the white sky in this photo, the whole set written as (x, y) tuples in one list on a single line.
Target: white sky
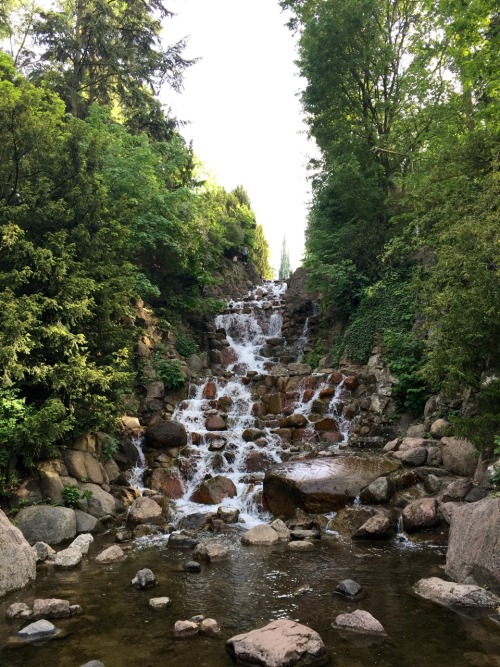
[(244, 114)]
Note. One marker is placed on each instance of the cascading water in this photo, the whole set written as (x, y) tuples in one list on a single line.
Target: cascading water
[(136, 475)]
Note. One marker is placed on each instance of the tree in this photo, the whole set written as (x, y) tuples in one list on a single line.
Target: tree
[(261, 254), (284, 271)]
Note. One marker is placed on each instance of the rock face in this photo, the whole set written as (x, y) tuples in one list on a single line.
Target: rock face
[(166, 434), (321, 485), (44, 523), (282, 643), (17, 558), (459, 596), (474, 544)]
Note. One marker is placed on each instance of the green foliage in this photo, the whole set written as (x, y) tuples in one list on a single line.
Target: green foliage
[(482, 428), (185, 344), (261, 254), (169, 372), (72, 496), (109, 448), (405, 355)]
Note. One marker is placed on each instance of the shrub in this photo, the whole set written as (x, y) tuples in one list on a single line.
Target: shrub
[(170, 373)]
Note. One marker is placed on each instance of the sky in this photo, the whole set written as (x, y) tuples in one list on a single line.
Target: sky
[(243, 112)]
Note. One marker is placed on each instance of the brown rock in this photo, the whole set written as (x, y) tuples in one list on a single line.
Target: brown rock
[(209, 390), (164, 433), (185, 629), (381, 525), (439, 428), (416, 456), (359, 621), (420, 514), (167, 481), (295, 420), (51, 608), (209, 627), (261, 534), (112, 554), (215, 423), (351, 383), (326, 424), (144, 510), (257, 461), (84, 467), (213, 491)]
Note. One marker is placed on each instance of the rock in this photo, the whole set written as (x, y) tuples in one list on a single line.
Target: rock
[(359, 621), (44, 523), (349, 589), (131, 423), (185, 629), (439, 428), (459, 456), (213, 491), (261, 534), (75, 609), (82, 542), (349, 519), (43, 552), (168, 482), (112, 470), (457, 490), (228, 514), (101, 503), (17, 558), (305, 534), (322, 484), (434, 457), (68, 558), (299, 369), (420, 514), (300, 545), (209, 627), (84, 467), (416, 431), (282, 643), (446, 510), (281, 528), (93, 663), (51, 608), (458, 596), (122, 536), (215, 423), (416, 456), (159, 603), (379, 526), (191, 566), (295, 420), (252, 434), (473, 550), (18, 610), (183, 539), (379, 491), (166, 434), (112, 554), (144, 579), (38, 631), (144, 510), (326, 424), (391, 446), (86, 523), (210, 551)]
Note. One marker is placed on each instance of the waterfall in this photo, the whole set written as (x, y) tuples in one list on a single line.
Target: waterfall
[(136, 475)]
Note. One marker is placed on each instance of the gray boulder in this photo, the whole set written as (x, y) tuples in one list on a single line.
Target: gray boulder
[(261, 535), (145, 510), (359, 621), (17, 558), (144, 579), (282, 643), (44, 523), (51, 608), (68, 558), (458, 596), (474, 544), (101, 503), (38, 631), (350, 589)]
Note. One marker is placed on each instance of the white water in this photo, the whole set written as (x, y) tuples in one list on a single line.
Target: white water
[(248, 325), (136, 476)]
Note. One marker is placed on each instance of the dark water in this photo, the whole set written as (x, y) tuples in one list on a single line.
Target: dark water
[(254, 586)]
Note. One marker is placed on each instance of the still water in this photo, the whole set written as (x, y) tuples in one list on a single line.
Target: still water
[(255, 585)]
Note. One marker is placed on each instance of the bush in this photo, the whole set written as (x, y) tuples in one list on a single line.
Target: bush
[(170, 373), (185, 344), (72, 496)]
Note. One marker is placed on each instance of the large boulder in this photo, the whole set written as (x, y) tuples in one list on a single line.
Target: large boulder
[(166, 435), (420, 514), (474, 544), (17, 558), (167, 481), (281, 643), (101, 503), (261, 534), (458, 596), (145, 510), (459, 456), (322, 484), (44, 523), (213, 491), (84, 467)]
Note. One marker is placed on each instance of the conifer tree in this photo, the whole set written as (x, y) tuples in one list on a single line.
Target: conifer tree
[(284, 272)]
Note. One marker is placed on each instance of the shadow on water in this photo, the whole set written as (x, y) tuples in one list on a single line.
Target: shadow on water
[(255, 585)]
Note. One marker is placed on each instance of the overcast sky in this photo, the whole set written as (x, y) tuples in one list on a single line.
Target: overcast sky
[(244, 114)]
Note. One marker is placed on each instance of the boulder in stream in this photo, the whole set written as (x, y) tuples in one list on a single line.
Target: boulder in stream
[(68, 558), (350, 589), (38, 631), (145, 510), (17, 558), (359, 621), (420, 514), (213, 491), (260, 535), (282, 643), (45, 523), (112, 554), (166, 434), (465, 597), (144, 579), (322, 484)]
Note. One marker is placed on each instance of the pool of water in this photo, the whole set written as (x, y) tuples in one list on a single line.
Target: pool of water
[(254, 586)]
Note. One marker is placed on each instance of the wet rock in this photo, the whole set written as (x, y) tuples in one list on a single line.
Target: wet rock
[(295, 420), (185, 629), (144, 579), (38, 631), (191, 566), (379, 491), (351, 383), (299, 369), (459, 456), (322, 484), (167, 481), (349, 589), (209, 627), (123, 536), (281, 528), (44, 523), (166, 434), (300, 545), (43, 552), (112, 554), (145, 510), (282, 643), (458, 596), (473, 550), (17, 558), (51, 608), (18, 610), (304, 534), (215, 423), (82, 542), (93, 663), (326, 424), (349, 519), (210, 551), (381, 525), (184, 540), (209, 391), (261, 534), (228, 514), (359, 621), (68, 558), (213, 491), (252, 434), (420, 514), (159, 604)]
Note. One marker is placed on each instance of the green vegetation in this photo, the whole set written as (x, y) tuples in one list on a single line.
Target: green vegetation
[(102, 203), (403, 240), (169, 372), (72, 496)]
